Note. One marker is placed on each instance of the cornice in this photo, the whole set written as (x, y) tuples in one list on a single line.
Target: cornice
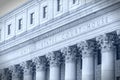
[(53, 28)]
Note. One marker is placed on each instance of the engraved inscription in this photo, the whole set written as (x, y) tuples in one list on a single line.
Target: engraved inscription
[(72, 32)]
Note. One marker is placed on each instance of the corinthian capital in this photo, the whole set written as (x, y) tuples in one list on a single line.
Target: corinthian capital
[(16, 71), (87, 48), (54, 58), (40, 63), (106, 41), (27, 67), (69, 53)]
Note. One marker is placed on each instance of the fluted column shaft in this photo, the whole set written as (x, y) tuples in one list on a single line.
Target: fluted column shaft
[(88, 68), (70, 70), (40, 75), (55, 73), (108, 57), (107, 67), (87, 51), (70, 63), (54, 60), (27, 74), (40, 68)]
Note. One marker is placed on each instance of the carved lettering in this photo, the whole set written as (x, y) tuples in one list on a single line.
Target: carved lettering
[(73, 32)]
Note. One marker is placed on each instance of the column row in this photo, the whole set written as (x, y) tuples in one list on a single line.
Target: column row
[(87, 49)]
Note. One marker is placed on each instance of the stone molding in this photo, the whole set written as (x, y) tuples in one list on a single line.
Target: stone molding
[(54, 58), (40, 63)]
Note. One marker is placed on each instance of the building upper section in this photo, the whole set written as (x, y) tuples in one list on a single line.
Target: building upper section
[(48, 22), (35, 13)]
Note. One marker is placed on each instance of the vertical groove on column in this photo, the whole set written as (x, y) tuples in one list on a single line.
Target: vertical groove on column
[(79, 72), (97, 68), (48, 74), (62, 71)]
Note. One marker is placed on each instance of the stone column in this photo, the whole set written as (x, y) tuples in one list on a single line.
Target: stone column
[(70, 63), (108, 56), (87, 51), (54, 60), (15, 70), (27, 70), (40, 67)]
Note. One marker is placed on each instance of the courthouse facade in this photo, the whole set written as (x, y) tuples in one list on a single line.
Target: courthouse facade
[(61, 40)]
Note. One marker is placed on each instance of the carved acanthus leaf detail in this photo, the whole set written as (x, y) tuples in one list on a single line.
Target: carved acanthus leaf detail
[(87, 48), (69, 53), (16, 71), (27, 67), (54, 58), (40, 63), (106, 41)]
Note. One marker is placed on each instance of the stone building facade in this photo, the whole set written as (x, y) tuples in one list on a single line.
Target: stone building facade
[(61, 40)]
